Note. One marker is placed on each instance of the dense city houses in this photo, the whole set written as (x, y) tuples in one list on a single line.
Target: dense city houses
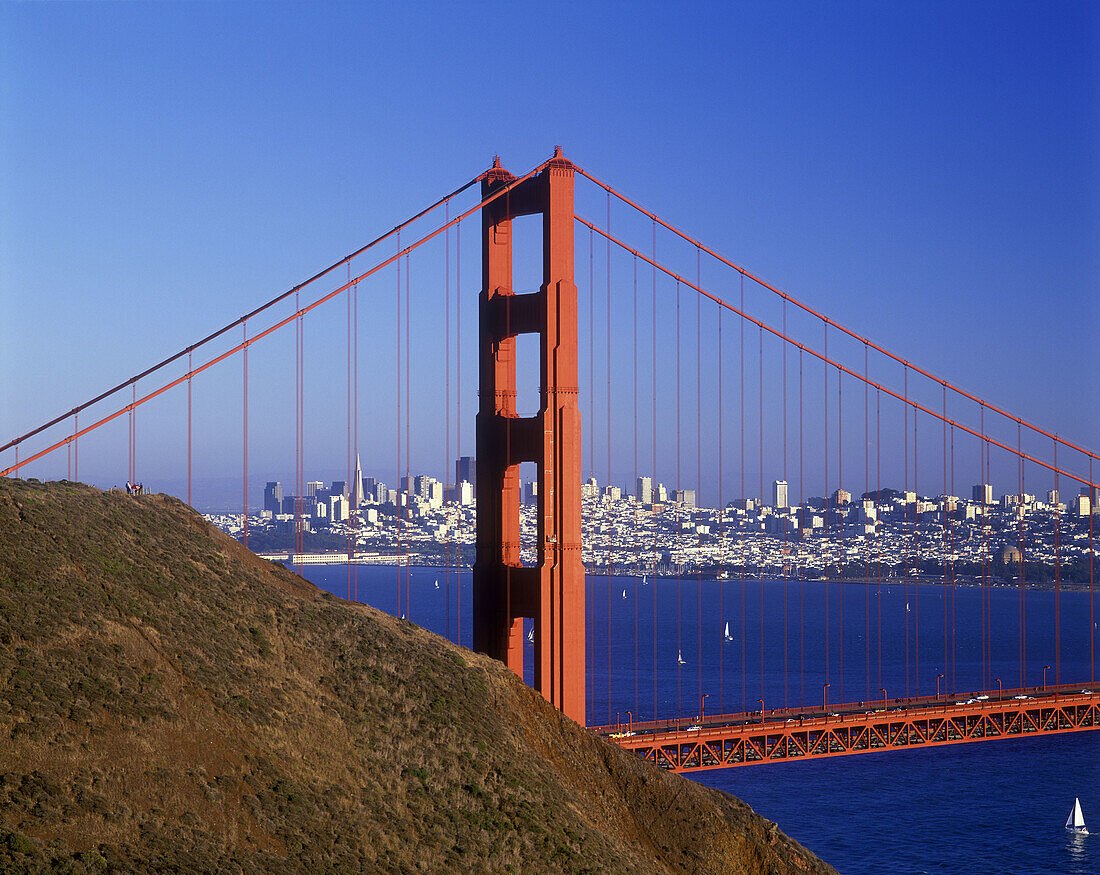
[(654, 530)]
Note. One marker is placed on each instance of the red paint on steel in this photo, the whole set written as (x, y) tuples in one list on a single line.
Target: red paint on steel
[(505, 592), (724, 741)]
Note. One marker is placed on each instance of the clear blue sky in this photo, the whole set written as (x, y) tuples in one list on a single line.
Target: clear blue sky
[(927, 173)]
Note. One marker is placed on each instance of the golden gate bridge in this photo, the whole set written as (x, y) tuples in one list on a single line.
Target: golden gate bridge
[(698, 361)]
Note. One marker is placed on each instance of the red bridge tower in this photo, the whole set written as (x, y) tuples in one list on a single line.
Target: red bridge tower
[(552, 593)]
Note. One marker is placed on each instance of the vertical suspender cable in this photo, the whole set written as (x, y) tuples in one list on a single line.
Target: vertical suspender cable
[(607, 351), (784, 554), (351, 471), (130, 478), (679, 506), (916, 565), (397, 519), (878, 535), (944, 551), (76, 447), (744, 502), (244, 397), (866, 539), (982, 449), (355, 416), (721, 532), (801, 566), (297, 432), (699, 466), (905, 489), (840, 521), (653, 485), (408, 436), (190, 504), (458, 410), (828, 508), (950, 546), (447, 404), (989, 600), (1021, 539), (638, 496), (760, 463), (1057, 573)]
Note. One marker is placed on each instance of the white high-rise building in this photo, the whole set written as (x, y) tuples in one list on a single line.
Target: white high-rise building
[(779, 494), (357, 485), (644, 490), (337, 508)]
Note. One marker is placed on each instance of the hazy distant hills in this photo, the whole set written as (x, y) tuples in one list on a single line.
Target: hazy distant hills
[(171, 701)]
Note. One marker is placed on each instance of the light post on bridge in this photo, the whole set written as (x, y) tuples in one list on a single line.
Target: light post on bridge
[(1000, 691), (938, 685), (825, 697), (630, 722), (1045, 667), (702, 707), (761, 701), (883, 691)]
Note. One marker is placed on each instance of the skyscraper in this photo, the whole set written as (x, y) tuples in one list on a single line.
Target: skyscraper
[(466, 470), (779, 493), (357, 485), (273, 496), (983, 493), (644, 490)]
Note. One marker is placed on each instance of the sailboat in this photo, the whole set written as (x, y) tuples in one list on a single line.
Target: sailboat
[(437, 584), (624, 593), (1076, 820), (643, 580), (680, 657), (531, 636), (727, 636)]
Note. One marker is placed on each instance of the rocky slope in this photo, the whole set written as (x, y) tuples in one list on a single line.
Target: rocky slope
[(170, 701)]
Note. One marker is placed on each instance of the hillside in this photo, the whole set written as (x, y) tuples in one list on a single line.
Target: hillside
[(171, 701)]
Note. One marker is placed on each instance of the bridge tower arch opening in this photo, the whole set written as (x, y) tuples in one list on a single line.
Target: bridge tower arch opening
[(552, 592)]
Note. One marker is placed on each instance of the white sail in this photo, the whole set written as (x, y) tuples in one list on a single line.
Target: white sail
[(728, 638), (1076, 819), (531, 636), (680, 657), (624, 593)]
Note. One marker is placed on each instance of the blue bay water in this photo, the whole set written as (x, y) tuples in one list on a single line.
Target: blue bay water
[(996, 806)]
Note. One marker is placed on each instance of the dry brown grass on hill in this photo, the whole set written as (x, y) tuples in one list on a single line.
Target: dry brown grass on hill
[(171, 701)]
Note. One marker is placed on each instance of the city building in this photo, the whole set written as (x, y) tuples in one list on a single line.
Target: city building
[(273, 496), (982, 493), (531, 492), (466, 470), (779, 494), (338, 510), (644, 490), (313, 487), (357, 485)]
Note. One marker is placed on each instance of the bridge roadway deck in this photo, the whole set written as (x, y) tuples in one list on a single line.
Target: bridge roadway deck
[(722, 741)]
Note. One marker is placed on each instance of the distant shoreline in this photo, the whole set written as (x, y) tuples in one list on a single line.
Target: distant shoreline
[(374, 559)]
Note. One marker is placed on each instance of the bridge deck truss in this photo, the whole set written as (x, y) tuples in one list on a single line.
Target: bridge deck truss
[(717, 744)]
